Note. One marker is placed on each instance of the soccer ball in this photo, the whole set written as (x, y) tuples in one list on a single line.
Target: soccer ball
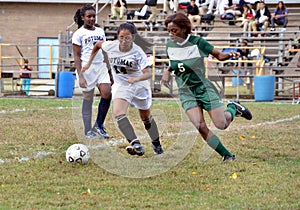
[(78, 153)]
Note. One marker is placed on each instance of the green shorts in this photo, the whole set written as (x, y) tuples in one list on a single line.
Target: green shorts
[(204, 95)]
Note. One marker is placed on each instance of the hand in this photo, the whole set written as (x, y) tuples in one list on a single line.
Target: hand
[(85, 67), (165, 80), (234, 54), (132, 80), (82, 81)]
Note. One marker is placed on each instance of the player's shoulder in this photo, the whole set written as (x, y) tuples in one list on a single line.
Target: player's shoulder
[(98, 29), (110, 45)]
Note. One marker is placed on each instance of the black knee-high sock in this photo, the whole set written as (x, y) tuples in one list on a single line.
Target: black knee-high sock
[(126, 128), (151, 127), (103, 108), (87, 114)]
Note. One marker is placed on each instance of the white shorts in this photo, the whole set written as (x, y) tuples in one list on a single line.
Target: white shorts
[(137, 95), (95, 75)]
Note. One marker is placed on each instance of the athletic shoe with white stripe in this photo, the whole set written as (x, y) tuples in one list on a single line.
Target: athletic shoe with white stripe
[(228, 158), (241, 111), (135, 148), (101, 131), (92, 135)]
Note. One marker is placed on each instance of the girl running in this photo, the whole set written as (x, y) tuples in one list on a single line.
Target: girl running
[(196, 92), (83, 41), (131, 87)]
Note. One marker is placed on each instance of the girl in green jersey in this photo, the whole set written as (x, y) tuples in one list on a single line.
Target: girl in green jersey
[(196, 92)]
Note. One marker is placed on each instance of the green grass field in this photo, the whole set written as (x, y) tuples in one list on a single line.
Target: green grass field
[(35, 133)]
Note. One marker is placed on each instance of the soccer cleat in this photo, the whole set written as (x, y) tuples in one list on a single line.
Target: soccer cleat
[(101, 131), (157, 149), (92, 135), (241, 111), (228, 158), (135, 149), (272, 29)]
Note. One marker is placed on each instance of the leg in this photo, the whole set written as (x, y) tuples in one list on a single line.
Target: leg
[(254, 27), (114, 12), (197, 17), (211, 6), (175, 5), (196, 117), (153, 15), (273, 23), (151, 127), (122, 12), (119, 110), (87, 110), (221, 118), (165, 8), (266, 25), (285, 22), (103, 107)]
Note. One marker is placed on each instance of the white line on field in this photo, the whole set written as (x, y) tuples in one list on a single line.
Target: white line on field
[(115, 142)]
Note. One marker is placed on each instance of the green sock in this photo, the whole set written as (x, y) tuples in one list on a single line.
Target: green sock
[(232, 110), (215, 143)]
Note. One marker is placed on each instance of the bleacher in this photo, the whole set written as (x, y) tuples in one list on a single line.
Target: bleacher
[(280, 47)]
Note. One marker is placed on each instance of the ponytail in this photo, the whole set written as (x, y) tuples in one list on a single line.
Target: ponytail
[(80, 12)]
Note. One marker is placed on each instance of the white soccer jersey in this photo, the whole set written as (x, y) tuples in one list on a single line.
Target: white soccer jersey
[(125, 65), (86, 39)]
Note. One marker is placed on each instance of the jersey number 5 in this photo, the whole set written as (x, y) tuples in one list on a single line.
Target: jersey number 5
[(181, 67)]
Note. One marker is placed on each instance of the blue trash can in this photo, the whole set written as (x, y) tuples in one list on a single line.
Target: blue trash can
[(235, 81), (65, 83), (264, 87)]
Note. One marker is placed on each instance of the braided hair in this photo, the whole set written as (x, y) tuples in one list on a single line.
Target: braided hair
[(80, 12)]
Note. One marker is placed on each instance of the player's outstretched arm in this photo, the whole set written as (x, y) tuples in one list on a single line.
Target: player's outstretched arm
[(95, 50), (224, 56)]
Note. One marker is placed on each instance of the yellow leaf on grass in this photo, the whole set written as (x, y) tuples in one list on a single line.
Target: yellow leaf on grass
[(194, 172), (233, 176), (253, 136), (243, 138), (206, 188)]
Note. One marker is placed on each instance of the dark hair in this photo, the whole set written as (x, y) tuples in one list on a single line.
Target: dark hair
[(280, 9), (127, 26), (181, 20), (249, 8), (138, 40), (80, 12)]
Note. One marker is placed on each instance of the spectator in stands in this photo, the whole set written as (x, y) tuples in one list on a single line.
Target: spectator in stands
[(212, 4), (262, 18), (120, 6), (192, 11), (172, 4), (131, 73), (141, 13), (203, 6), (99, 76), (280, 16), (152, 4), (240, 5), (26, 76), (248, 18), (186, 53)]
